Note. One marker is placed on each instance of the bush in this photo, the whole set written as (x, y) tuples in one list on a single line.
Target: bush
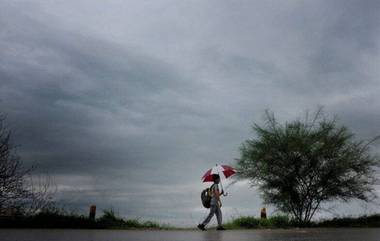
[(60, 218), (265, 223), (280, 221), (150, 224), (363, 221), (132, 223), (246, 222), (251, 222), (373, 220), (109, 219)]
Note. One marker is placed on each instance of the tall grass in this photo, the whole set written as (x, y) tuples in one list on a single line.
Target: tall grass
[(110, 220), (249, 222), (59, 218), (363, 221), (280, 221)]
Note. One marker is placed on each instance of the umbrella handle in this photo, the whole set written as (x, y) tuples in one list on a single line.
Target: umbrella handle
[(220, 180), (224, 194)]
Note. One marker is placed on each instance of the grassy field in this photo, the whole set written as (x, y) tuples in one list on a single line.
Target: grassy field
[(109, 220), (63, 219)]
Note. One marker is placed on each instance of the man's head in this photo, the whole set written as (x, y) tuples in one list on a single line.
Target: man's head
[(216, 178)]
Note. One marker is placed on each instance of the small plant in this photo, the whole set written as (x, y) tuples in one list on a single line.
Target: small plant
[(250, 222), (265, 223), (150, 224), (280, 221), (246, 222), (109, 219)]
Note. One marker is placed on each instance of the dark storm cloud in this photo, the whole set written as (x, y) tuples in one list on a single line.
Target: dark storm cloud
[(126, 104), (66, 94), (353, 32)]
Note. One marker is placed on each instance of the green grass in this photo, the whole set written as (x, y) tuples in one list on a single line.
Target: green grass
[(362, 221), (110, 220), (249, 222), (281, 221), (59, 218), (56, 218)]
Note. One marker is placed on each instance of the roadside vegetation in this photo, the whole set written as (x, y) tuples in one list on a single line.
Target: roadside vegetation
[(59, 218), (274, 222), (250, 222), (362, 221)]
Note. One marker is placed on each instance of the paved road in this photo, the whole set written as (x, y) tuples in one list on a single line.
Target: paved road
[(211, 235)]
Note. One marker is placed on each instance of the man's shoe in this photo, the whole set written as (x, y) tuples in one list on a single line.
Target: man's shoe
[(220, 228), (201, 227)]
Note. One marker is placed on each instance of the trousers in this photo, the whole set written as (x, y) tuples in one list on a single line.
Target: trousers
[(214, 209)]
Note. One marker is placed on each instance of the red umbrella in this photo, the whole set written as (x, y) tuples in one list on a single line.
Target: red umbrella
[(222, 170)]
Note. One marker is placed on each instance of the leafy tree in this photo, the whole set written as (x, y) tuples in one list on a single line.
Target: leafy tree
[(301, 164)]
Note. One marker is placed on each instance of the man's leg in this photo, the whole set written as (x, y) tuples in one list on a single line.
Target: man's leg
[(218, 213), (212, 212)]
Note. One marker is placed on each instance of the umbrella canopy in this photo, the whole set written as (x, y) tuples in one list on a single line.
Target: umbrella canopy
[(221, 170)]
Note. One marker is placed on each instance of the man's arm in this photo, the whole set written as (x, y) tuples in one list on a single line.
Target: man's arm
[(217, 196), (217, 193)]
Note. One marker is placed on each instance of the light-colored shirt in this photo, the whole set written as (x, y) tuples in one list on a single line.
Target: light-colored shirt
[(214, 200)]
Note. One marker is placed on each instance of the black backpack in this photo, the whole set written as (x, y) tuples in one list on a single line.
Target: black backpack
[(206, 196)]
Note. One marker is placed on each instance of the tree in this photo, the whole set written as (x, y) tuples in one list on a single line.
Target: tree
[(12, 190), (299, 165), (18, 190)]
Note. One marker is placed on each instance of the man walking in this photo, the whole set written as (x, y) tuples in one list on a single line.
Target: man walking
[(215, 205)]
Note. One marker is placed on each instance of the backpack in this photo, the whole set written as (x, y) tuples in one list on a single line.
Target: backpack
[(206, 196)]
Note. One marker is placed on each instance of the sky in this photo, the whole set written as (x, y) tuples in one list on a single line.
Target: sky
[(125, 104)]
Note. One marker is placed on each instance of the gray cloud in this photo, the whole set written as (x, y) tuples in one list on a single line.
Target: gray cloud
[(128, 103)]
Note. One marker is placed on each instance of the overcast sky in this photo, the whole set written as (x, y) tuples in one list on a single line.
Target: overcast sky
[(127, 103)]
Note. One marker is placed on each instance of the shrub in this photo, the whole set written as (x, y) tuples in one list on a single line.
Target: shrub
[(250, 222), (109, 219), (265, 223), (280, 221), (246, 222)]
